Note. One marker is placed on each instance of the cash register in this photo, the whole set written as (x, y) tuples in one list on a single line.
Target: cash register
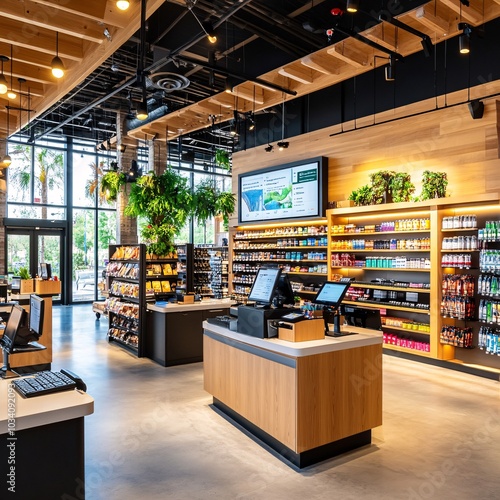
[(272, 297)]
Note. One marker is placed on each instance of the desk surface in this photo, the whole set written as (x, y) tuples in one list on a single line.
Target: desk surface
[(364, 337), (196, 306), (41, 410)]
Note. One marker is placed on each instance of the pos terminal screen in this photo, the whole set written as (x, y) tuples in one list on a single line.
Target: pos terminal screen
[(264, 286), (331, 293)]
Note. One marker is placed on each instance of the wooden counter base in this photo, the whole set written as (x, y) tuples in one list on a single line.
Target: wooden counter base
[(305, 458), (312, 405)]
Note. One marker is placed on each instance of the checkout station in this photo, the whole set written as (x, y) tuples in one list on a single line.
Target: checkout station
[(38, 409), (308, 388)]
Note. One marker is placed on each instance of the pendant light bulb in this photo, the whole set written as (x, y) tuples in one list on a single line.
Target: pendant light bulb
[(123, 4), (3, 81), (57, 65), (7, 160)]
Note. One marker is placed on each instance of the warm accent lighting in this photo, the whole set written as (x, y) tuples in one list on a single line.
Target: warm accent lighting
[(352, 6), (142, 110), (3, 81), (283, 145), (11, 94), (57, 65), (7, 160), (464, 38), (123, 4)]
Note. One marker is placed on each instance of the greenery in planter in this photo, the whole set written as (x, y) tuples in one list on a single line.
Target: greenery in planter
[(165, 202), (110, 185), (434, 185), (209, 201), (362, 196), (24, 273), (222, 159), (401, 187), (380, 183)]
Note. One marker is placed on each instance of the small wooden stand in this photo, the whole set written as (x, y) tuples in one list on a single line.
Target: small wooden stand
[(309, 329)]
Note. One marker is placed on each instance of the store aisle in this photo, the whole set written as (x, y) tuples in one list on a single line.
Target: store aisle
[(154, 436)]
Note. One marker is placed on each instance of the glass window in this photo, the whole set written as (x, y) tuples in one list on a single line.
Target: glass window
[(48, 187), (19, 174), (84, 279), (84, 169)]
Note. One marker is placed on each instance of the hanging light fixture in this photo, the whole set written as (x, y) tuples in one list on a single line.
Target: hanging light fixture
[(142, 109), (123, 4), (3, 82), (206, 27), (10, 93), (57, 65), (352, 6), (464, 38), (390, 70), (7, 160)]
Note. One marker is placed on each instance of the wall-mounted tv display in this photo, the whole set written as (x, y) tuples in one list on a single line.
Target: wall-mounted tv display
[(296, 190)]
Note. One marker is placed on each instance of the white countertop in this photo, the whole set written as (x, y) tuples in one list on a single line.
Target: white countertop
[(41, 410), (196, 306), (365, 337)]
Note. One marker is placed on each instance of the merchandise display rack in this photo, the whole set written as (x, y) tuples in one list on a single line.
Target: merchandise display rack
[(421, 316)]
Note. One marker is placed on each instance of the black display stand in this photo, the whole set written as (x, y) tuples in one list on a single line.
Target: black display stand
[(253, 320)]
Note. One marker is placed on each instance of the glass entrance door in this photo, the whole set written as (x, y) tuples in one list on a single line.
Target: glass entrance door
[(30, 247)]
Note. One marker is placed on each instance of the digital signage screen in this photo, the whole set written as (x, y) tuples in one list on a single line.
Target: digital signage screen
[(292, 191)]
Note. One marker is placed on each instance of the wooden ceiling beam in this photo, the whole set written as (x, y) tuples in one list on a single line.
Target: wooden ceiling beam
[(425, 16), (320, 63), (299, 74), (251, 93), (384, 34), (469, 14), (349, 54), (36, 15)]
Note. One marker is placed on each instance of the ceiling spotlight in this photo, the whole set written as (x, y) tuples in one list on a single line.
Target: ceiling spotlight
[(57, 65), (121, 148), (142, 110), (269, 148), (352, 6), (228, 85), (11, 94), (251, 123), (107, 34), (283, 145), (210, 32), (123, 4), (3, 81), (464, 38)]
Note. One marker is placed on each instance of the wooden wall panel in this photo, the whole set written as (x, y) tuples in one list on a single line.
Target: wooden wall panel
[(447, 139)]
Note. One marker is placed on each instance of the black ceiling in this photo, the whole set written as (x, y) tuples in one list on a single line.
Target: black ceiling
[(253, 37)]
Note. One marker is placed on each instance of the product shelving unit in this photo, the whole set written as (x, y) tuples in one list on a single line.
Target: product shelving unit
[(299, 248), (201, 270), (185, 268), (219, 276), (133, 280), (437, 260)]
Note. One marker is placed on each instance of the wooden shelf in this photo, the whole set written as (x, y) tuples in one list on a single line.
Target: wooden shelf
[(297, 248), (407, 330), (306, 273), (382, 305), (404, 269), (401, 250), (395, 288), (379, 233), (391, 347)]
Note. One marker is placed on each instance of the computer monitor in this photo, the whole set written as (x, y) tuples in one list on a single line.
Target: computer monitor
[(284, 291), (264, 287), (37, 313), (45, 271), (330, 295), (8, 341)]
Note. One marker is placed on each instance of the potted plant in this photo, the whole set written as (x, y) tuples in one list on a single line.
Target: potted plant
[(434, 185), (380, 182), (362, 196), (27, 283), (165, 202), (401, 187), (110, 185)]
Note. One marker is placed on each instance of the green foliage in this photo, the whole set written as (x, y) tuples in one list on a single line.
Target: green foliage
[(222, 159), (362, 196), (209, 201), (380, 183), (165, 201), (111, 182), (24, 273), (401, 187), (434, 185)]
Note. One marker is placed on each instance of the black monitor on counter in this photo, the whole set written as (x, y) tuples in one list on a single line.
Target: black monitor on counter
[(264, 287), (330, 295), (362, 317)]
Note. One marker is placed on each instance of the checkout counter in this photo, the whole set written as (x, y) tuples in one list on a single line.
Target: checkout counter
[(307, 400)]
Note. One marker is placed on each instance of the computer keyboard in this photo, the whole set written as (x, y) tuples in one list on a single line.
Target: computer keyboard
[(41, 383)]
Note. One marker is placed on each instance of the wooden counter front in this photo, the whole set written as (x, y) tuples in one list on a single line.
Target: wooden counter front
[(322, 400)]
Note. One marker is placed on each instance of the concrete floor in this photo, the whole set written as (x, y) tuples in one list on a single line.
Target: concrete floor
[(154, 436)]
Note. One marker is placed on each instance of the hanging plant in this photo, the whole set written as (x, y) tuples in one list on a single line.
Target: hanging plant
[(165, 202), (110, 185), (401, 187), (434, 185), (209, 201), (222, 159)]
